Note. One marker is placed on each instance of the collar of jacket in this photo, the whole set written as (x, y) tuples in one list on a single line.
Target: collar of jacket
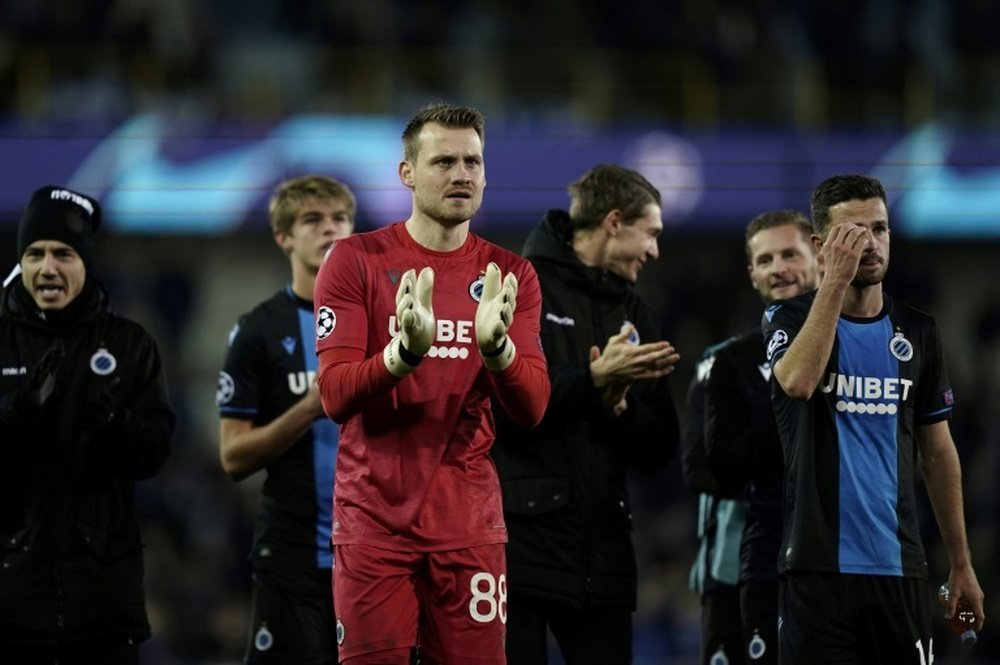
[(550, 242), (18, 305)]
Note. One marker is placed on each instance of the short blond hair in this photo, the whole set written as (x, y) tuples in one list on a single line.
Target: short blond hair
[(289, 196)]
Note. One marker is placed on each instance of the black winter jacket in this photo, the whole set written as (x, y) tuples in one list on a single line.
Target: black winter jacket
[(564, 483), (71, 563)]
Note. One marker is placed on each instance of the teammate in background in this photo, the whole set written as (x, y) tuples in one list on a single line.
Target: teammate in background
[(418, 325), (862, 398), (715, 572), (571, 559), (271, 418), (84, 414), (742, 446)]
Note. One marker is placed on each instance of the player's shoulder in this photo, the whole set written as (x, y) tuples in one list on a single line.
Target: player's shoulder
[(901, 312), (264, 310), (704, 366), (795, 307), (356, 251), (125, 326), (504, 258), (748, 342), (264, 314), (713, 350), (366, 241)]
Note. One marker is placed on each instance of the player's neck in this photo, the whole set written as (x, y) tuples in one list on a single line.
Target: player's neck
[(435, 235), (863, 302), (303, 284), (589, 247)]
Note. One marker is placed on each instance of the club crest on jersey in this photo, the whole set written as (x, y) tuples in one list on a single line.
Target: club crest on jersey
[(102, 362), (340, 631), (225, 389), (476, 288), (719, 658), (901, 348), (757, 648), (263, 639), (326, 321), (633, 337)]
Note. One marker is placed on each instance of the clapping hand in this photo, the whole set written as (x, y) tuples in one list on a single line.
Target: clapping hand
[(494, 317), (25, 404), (415, 317), (621, 363)]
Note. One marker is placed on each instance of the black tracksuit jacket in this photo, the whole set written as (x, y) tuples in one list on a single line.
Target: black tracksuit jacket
[(743, 449), (566, 503), (71, 562)]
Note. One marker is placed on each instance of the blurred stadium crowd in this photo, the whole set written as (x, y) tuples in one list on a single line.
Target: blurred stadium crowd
[(695, 62)]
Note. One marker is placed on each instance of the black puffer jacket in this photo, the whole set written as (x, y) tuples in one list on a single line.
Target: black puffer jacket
[(71, 563), (564, 483)]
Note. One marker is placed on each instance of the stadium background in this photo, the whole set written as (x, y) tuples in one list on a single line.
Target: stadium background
[(182, 115)]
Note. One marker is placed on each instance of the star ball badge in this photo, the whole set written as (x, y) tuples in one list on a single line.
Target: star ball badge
[(326, 321)]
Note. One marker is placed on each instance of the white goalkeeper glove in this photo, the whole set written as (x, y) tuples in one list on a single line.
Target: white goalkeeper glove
[(493, 318), (415, 318)]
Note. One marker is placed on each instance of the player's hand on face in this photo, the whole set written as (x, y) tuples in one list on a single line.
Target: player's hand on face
[(494, 317), (841, 253), (415, 310)]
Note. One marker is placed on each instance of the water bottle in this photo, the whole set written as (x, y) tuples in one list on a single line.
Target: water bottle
[(964, 618)]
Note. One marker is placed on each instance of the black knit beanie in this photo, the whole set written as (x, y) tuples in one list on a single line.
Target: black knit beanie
[(57, 213)]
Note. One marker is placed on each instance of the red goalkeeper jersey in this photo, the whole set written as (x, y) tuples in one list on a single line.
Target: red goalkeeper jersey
[(413, 470)]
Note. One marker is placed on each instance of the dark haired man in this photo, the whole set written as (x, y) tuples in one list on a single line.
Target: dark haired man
[(418, 324), (84, 414), (862, 399), (571, 557), (742, 449)]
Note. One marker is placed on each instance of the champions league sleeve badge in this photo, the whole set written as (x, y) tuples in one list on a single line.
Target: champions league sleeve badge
[(225, 389), (779, 338), (326, 321)]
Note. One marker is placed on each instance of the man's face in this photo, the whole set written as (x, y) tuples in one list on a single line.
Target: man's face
[(872, 215), (448, 175), (782, 262), (319, 222), (631, 245), (53, 273)]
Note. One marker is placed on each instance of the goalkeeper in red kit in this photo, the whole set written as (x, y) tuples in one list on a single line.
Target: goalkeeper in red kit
[(418, 325)]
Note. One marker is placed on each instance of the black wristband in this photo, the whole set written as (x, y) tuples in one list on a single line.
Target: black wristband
[(497, 351), (407, 357)]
